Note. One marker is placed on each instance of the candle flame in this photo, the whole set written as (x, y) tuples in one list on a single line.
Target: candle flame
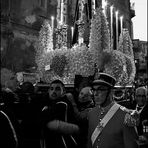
[(52, 17)]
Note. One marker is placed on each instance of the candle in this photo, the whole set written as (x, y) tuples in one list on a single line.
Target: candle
[(72, 29), (111, 24), (104, 4), (52, 23), (121, 23), (58, 12), (82, 8), (93, 6), (116, 29), (80, 40), (62, 12)]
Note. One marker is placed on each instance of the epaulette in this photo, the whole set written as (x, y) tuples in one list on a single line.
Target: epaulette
[(131, 118)]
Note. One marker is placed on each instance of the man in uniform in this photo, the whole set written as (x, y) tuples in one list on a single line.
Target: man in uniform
[(107, 127)]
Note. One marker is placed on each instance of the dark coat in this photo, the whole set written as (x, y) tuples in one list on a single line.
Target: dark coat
[(56, 111), (10, 134), (143, 117), (115, 134)]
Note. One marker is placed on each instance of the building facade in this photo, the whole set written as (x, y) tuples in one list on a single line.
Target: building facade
[(141, 59)]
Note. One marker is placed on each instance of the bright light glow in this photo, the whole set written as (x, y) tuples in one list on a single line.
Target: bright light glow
[(72, 29), (111, 8), (52, 18), (111, 24), (116, 13), (116, 29), (140, 20), (121, 23), (121, 17), (52, 22), (62, 6), (104, 4)]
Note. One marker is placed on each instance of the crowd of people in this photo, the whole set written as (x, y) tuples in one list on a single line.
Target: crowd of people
[(89, 117)]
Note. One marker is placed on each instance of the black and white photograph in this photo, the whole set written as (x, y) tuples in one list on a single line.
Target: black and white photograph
[(74, 74)]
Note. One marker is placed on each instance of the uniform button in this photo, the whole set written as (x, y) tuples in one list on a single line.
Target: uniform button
[(100, 119), (98, 140), (101, 113)]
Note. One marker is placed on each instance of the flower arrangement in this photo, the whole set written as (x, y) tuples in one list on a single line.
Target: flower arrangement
[(99, 36), (81, 61), (131, 69), (125, 43), (115, 67), (64, 64)]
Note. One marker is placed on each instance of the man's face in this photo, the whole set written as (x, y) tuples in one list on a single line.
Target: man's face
[(55, 91), (85, 95), (100, 93), (141, 97)]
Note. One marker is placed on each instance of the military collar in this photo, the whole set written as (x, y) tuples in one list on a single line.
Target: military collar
[(106, 108)]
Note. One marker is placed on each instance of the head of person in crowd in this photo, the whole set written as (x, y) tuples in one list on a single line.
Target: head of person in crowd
[(8, 95), (12, 83), (26, 92), (8, 80), (56, 89), (8, 86), (20, 77), (27, 87), (103, 89), (85, 95), (141, 96), (81, 82)]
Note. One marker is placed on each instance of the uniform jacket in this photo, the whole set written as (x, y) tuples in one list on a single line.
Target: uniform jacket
[(116, 134)]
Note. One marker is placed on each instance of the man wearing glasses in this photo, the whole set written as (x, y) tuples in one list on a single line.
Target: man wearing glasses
[(107, 128)]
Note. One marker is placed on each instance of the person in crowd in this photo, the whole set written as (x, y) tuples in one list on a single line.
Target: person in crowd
[(81, 108), (58, 122), (10, 131), (141, 106), (9, 88), (85, 98), (106, 121), (8, 135), (29, 109)]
